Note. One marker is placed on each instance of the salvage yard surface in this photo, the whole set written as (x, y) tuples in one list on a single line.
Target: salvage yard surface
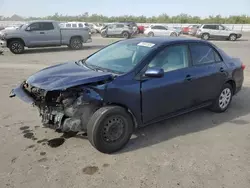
[(199, 149)]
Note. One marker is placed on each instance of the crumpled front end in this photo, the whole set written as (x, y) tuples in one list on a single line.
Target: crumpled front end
[(65, 110)]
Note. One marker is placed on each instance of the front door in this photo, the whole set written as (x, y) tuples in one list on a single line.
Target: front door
[(43, 34), (172, 92)]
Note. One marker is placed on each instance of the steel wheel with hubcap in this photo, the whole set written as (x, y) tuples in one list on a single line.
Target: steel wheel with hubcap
[(224, 99), (16, 47), (110, 128)]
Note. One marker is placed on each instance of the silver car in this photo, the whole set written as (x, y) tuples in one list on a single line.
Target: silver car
[(117, 29), (217, 31), (160, 30)]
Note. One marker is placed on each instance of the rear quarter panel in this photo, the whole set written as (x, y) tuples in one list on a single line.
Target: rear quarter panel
[(67, 33)]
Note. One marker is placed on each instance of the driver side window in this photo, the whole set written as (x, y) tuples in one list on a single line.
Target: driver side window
[(171, 58), (35, 27)]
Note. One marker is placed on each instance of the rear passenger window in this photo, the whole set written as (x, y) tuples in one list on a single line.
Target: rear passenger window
[(80, 25), (74, 25), (68, 25), (214, 27), (119, 26), (203, 54), (47, 26)]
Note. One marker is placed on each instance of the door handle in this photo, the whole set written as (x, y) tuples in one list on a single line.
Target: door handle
[(222, 69), (188, 77), (42, 33)]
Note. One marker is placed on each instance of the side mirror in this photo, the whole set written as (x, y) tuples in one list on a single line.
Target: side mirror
[(28, 29), (154, 72)]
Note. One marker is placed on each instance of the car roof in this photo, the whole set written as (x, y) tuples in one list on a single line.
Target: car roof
[(166, 40)]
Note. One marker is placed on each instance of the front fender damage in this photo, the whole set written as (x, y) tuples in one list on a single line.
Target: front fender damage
[(64, 110)]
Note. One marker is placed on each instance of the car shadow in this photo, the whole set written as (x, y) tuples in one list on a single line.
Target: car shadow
[(60, 49), (193, 122)]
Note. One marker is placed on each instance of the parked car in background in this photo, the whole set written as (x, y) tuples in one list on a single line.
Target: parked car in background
[(185, 30), (133, 25), (117, 29), (217, 31), (43, 33), (159, 30), (130, 84), (97, 27), (193, 29), (178, 30), (141, 29)]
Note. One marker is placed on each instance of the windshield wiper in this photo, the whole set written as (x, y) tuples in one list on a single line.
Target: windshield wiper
[(97, 68)]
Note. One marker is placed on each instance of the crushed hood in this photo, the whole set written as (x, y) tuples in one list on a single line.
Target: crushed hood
[(66, 75)]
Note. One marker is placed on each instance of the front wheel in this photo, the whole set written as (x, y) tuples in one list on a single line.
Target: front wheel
[(151, 34), (232, 37), (125, 35), (16, 47), (110, 128), (205, 36), (224, 99)]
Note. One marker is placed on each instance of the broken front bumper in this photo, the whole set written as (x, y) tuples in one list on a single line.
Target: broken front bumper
[(20, 93)]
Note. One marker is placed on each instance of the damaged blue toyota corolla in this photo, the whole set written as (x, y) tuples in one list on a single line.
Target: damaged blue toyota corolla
[(130, 84)]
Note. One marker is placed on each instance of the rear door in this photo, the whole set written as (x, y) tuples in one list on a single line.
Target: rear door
[(208, 72), (51, 32)]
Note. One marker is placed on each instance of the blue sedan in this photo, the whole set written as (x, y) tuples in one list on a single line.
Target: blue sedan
[(131, 84)]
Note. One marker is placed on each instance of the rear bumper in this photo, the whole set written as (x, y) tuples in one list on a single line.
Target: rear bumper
[(3, 43)]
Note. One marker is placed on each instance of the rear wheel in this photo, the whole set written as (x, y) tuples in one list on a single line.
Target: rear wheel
[(205, 36), (16, 47), (125, 35), (110, 128), (232, 37), (224, 99), (76, 43), (173, 34)]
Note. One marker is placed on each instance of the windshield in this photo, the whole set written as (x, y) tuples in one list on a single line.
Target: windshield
[(119, 57)]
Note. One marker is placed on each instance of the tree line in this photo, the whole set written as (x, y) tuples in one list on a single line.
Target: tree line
[(162, 18)]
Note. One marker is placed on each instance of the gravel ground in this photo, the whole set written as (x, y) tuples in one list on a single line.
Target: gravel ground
[(199, 149)]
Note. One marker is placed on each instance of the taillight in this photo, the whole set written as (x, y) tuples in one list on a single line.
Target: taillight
[(243, 66)]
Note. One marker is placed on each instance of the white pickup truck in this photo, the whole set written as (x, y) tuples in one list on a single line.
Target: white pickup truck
[(43, 33)]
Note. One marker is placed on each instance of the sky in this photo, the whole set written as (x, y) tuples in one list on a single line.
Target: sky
[(200, 8)]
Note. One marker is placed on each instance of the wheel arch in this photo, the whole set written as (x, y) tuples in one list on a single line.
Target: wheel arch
[(15, 39), (135, 121), (232, 83), (76, 36)]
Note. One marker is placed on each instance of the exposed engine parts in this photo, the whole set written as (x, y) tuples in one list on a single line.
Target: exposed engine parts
[(67, 110)]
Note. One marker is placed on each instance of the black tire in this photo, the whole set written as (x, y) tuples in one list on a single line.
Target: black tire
[(233, 37), (76, 43), (216, 106), (205, 36), (151, 34), (173, 34), (16, 47), (103, 122), (125, 35), (104, 34)]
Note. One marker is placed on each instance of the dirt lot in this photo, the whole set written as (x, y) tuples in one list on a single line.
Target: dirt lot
[(200, 149)]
